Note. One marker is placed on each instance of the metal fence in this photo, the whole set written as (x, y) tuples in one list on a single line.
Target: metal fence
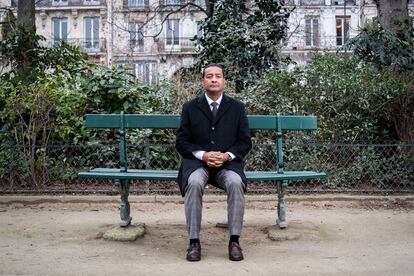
[(379, 168)]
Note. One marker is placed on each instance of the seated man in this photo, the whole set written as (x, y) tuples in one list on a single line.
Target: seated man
[(213, 139)]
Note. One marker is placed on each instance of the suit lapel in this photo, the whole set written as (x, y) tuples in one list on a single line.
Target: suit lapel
[(203, 106), (224, 106)]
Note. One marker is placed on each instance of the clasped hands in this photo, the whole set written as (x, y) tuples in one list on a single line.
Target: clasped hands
[(215, 158)]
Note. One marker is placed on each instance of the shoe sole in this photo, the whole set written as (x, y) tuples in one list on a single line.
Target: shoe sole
[(236, 259)]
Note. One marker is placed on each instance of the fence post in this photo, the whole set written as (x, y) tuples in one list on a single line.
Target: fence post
[(11, 162), (147, 162)]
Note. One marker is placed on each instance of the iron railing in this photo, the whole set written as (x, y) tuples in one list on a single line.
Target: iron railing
[(375, 168)]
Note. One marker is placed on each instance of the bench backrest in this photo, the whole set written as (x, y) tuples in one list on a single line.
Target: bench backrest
[(260, 122), (278, 123)]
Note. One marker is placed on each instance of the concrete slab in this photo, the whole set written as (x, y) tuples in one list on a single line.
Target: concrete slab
[(297, 231), (125, 234)]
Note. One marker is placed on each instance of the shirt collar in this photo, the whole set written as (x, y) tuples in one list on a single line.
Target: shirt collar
[(209, 101)]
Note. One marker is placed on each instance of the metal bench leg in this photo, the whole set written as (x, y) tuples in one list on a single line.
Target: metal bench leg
[(124, 206), (281, 212)]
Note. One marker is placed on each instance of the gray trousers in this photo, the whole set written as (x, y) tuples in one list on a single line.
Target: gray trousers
[(231, 182)]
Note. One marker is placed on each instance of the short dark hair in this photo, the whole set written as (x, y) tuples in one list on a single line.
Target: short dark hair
[(213, 65)]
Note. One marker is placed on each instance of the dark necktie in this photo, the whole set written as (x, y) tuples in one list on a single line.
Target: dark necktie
[(214, 110)]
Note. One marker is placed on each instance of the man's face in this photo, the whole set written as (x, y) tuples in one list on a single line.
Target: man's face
[(213, 80)]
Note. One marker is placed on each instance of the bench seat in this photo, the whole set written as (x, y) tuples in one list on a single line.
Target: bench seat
[(106, 173)]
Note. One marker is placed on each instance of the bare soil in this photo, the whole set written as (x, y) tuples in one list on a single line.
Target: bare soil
[(335, 237)]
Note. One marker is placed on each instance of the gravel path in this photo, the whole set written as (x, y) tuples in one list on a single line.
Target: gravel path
[(350, 236)]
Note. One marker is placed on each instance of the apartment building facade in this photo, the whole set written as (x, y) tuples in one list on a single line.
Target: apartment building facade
[(153, 41), (133, 33)]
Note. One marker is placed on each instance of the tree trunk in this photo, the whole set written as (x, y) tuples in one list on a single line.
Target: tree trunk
[(210, 7), (391, 12), (8, 25), (26, 14)]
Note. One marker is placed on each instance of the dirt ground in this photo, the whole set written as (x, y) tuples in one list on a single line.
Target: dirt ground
[(346, 236)]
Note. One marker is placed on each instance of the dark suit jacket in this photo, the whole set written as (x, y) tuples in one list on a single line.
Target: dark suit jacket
[(229, 132)]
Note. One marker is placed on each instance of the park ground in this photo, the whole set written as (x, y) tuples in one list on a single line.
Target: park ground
[(327, 235)]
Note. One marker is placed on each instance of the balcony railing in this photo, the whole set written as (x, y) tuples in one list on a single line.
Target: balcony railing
[(166, 3), (312, 2), (89, 46), (177, 45), (172, 4), (343, 2), (71, 3)]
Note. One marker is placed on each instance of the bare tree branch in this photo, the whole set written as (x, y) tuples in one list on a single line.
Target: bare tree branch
[(175, 11), (156, 11)]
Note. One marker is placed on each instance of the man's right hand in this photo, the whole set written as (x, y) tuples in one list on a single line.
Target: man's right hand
[(215, 158)]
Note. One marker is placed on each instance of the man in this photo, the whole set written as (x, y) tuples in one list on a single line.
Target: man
[(213, 139)]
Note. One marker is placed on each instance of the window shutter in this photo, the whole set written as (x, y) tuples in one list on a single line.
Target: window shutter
[(176, 32), (315, 32), (308, 32)]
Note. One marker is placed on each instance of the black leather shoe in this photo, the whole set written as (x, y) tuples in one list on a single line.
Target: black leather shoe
[(194, 252), (235, 252)]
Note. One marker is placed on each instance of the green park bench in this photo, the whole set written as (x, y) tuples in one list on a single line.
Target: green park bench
[(122, 175)]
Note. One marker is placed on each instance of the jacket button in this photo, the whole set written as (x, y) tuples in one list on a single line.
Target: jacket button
[(212, 142), (213, 128)]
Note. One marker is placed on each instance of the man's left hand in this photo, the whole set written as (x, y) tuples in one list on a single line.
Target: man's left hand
[(217, 159)]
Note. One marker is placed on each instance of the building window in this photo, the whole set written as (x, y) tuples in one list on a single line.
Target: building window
[(172, 32), (136, 4), (172, 2), (343, 2), (200, 3), (127, 67), (91, 2), (146, 71), (312, 31), (91, 41), (59, 2), (136, 38), (59, 30), (312, 2), (342, 30), (200, 32)]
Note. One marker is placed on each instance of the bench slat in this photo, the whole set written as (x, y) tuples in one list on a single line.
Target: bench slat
[(288, 122), (287, 175), (265, 122), (137, 174)]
